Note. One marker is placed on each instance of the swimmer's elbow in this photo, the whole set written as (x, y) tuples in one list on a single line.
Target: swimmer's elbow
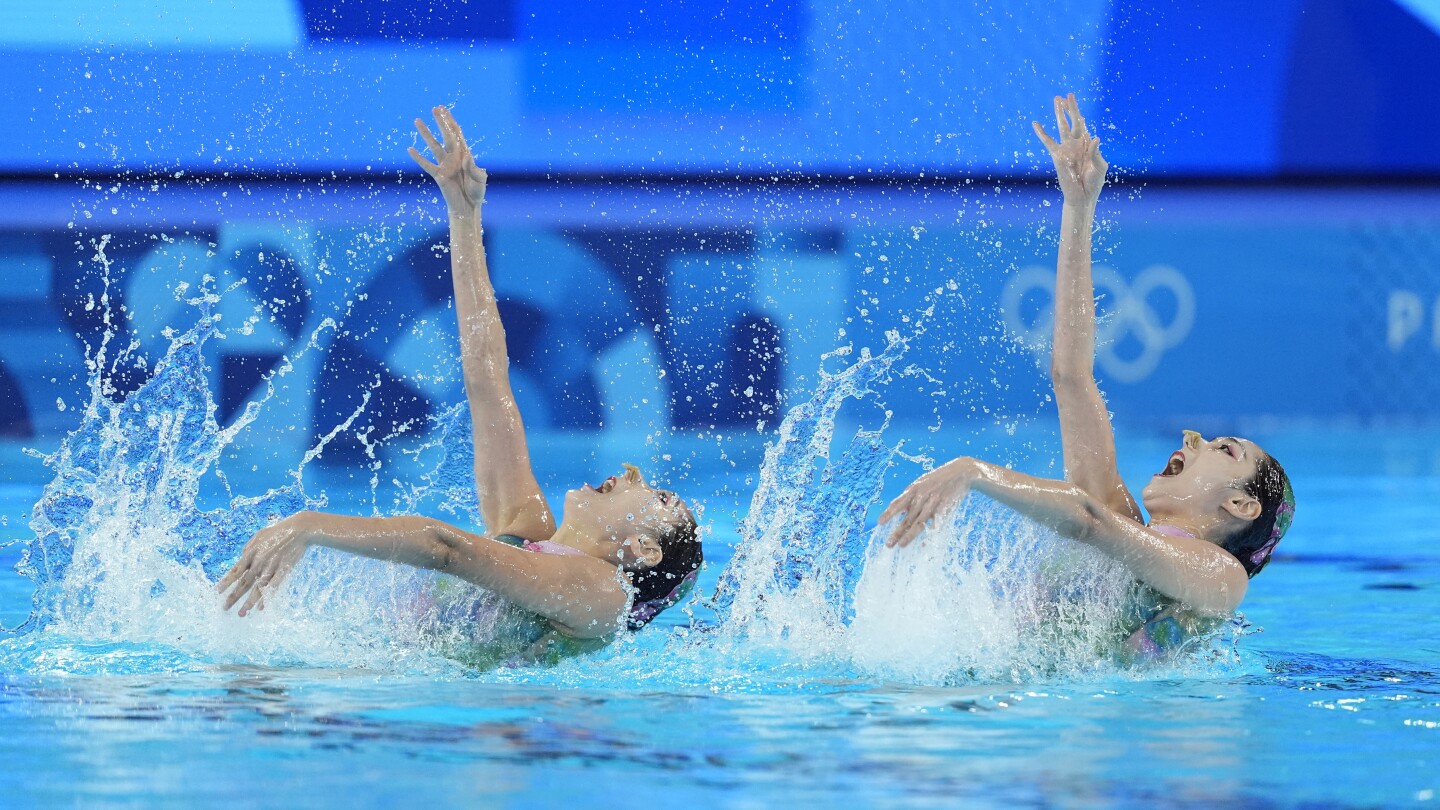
[(444, 559), (1228, 591), (1065, 376), (442, 552), (1087, 520)]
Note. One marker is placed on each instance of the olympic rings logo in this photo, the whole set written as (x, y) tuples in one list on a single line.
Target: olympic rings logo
[(1124, 310)]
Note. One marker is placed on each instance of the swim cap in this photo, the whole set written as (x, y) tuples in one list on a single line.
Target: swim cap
[(642, 612), (1284, 515)]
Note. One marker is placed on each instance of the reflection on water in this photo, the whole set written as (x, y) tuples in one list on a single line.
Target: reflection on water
[(254, 728)]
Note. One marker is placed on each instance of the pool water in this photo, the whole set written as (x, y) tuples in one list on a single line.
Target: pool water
[(1333, 698)]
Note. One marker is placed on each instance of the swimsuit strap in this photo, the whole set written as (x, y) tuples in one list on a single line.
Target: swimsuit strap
[(537, 546), (548, 547)]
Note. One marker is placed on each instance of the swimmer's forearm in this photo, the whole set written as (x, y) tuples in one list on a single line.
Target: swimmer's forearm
[(420, 542), (415, 541), (485, 357), (580, 593), (483, 350), (1072, 360), (1192, 571), (509, 494), (1087, 438), (1057, 505)]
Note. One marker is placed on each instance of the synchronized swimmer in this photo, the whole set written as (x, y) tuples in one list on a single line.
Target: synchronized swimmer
[(627, 550), (1218, 507)]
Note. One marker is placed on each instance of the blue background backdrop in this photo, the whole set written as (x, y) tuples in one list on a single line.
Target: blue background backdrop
[(692, 202), (1197, 89)]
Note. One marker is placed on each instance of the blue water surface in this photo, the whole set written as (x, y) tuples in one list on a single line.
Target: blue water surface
[(1336, 703)]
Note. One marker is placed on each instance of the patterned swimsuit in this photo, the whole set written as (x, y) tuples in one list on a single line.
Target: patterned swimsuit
[(497, 632), (1164, 626)]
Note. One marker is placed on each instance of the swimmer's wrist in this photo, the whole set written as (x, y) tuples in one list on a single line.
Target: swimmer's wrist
[(463, 211), (304, 527), (962, 472)]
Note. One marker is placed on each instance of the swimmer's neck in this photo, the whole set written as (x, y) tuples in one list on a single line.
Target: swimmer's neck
[(1174, 526), (1197, 527), (587, 544)]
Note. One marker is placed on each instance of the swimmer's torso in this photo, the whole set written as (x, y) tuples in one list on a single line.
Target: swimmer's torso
[(482, 630), (1158, 628)]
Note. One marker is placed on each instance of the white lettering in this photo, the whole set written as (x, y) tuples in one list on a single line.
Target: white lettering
[(1404, 314)]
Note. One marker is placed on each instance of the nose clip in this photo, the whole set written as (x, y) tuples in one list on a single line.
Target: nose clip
[(632, 473), (1192, 439)]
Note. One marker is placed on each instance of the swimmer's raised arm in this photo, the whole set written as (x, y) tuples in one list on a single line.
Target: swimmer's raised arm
[(510, 498), (580, 594), (1195, 572), (1086, 435)]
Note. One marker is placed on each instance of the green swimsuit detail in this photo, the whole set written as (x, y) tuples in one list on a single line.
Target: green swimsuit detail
[(484, 631), (1164, 627)]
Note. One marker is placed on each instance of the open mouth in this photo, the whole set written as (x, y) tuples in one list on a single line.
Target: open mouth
[(1174, 465)]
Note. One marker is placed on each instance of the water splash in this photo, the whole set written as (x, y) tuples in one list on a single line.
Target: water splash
[(802, 541), (988, 596), (984, 596), (124, 559), (131, 535), (133, 470)]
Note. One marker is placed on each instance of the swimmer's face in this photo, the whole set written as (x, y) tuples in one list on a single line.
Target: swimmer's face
[(1203, 476), (622, 507)]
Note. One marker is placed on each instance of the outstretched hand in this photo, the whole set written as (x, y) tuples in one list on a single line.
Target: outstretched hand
[(1077, 158), (461, 182), (266, 561), (932, 494)]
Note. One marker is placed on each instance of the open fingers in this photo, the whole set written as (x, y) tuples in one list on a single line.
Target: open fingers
[(909, 536), (247, 581), (235, 596), (430, 168), (1076, 119), (915, 522), (917, 513), (451, 128), (230, 576), (1062, 124), (1044, 136), (237, 572), (435, 148), (256, 596), (900, 535)]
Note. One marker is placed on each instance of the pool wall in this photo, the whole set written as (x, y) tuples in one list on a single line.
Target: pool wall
[(710, 305)]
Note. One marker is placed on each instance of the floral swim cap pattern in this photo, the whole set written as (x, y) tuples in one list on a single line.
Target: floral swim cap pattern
[(1284, 515), (642, 612)]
